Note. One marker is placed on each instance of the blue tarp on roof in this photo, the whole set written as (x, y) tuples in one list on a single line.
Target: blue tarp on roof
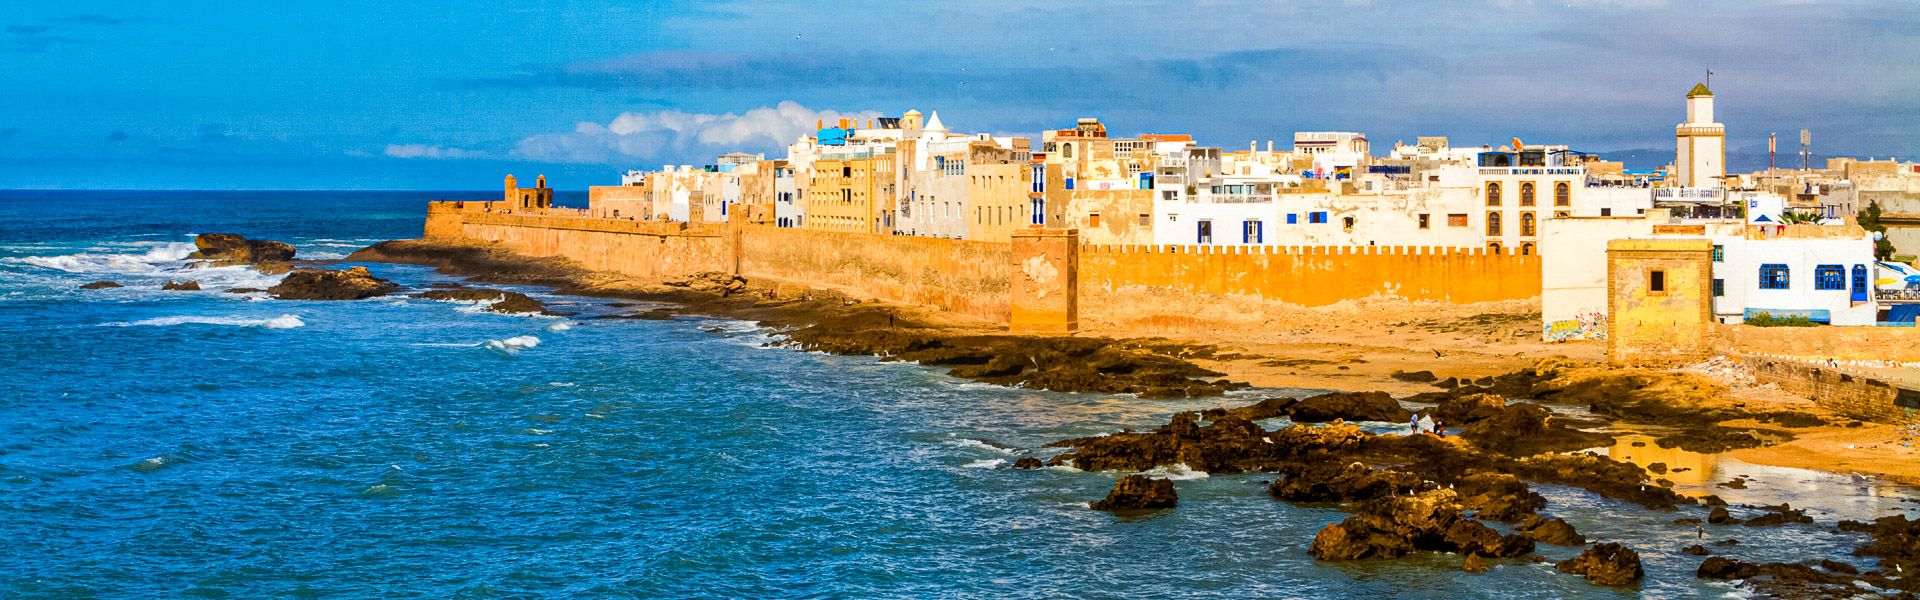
[(832, 136)]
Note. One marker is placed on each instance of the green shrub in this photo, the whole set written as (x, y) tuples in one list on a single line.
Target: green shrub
[(1768, 320)]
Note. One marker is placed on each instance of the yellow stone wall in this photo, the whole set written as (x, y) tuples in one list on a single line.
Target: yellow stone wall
[(1664, 327)]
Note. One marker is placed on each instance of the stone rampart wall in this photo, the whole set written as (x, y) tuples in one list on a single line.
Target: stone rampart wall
[(1895, 344), (966, 277), (1315, 276), (1848, 394)]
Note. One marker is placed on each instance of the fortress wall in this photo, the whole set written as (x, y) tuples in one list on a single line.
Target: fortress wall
[(1314, 276), (644, 249), (1897, 344), (966, 277)]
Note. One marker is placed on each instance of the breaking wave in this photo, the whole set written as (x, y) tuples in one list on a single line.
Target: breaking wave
[(280, 322), (513, 344), (153, 261)]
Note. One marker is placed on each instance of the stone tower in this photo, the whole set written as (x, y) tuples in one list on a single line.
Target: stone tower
[(1701, 144)]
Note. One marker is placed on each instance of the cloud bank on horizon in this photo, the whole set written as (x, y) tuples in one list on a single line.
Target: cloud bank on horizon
[(356, 94)]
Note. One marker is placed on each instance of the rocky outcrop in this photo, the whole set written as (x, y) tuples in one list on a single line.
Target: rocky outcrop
[(1550, 530), (1395, 526), (184, 286), (1831, 579), (355, 283), (1895, 540), (1778, 515), (101, 285), (500, 301), (1028, 462), (712, 282), (1606, 564), (1720, 516), (1599, 474), (1355, 406), (1333, 482), (1138, 492), (228, 249)]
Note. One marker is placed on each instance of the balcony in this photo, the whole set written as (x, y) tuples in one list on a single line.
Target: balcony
[(1689, 194)]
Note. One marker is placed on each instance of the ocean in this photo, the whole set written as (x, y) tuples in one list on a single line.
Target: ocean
[(167, 444)]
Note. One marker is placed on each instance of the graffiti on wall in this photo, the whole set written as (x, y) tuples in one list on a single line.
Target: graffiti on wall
[(1584, 326)]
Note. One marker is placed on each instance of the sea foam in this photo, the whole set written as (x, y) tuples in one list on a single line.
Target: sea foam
[(513, 344), (280, 322)]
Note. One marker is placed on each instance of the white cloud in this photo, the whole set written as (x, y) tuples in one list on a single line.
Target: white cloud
[(673, 135), (429, 152)]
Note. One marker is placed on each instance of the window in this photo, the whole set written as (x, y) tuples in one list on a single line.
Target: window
[(1562, 194), (1424, 223), (1859, 283), (1526, 225), (1039, 211), (1039, 178), (1173, 217), (1493, 194), (1293, 219), (1457, 220), (1830, 277), (1069, 183), (1251, 233), (1146, 219), (1606, 212), (846, 171), (1657, 281), (1526, 194), (1773, 276), (1493, 223), (1526, 249), (1493, 247), (1317, 217), (1719, 253), (1093, 220), (1719, 288), (1346, 223), (1066, 151), (1561, 214), (1205, 233)]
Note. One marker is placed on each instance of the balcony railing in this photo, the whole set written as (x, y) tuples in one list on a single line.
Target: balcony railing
[(1694, 194)]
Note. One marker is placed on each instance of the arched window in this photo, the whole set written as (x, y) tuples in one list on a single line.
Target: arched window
[(1526, 249), (1493, 194), (1493, 247), (1493, 223), (1526, 194), (1562, 194), (1526, 224), (1066, 150)]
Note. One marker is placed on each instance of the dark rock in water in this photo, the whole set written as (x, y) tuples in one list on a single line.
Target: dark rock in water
[(318, 284), (1264, 409), (1467, 408), (1473, 563), (1896, 542), (1448, 383), (1727, 542), (185, 286), (244, 290), (1790, 580), (452, 285), (1524, 429), (1394, 526), (1778, 515), (1711, 440), (1710, 499), (1137, 492), (1686, 521), (1720, 567), (1658, 468), (1696, 550), (1606, 564), (227, 249), (1551, 530), (1415, 376), (1357, 406), (1599, 474), (1028, 462), (1720, 516), (1735, 484), (101, 285), (1332, 482), (1498, 497), (502, 301)]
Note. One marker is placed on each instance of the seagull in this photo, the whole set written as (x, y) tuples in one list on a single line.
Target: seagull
[(1437, 354)]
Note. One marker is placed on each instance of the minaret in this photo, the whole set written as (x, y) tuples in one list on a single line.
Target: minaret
[(1701, 144)]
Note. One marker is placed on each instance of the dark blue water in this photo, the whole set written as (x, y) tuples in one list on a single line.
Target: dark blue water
[(211, 444)]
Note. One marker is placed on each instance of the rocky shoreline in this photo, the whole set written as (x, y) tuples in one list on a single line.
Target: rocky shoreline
[(1406, 493)]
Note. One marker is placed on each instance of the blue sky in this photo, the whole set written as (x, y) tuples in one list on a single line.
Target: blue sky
[(453, 94)]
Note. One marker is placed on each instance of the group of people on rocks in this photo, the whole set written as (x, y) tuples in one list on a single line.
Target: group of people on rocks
[(1426, 424)]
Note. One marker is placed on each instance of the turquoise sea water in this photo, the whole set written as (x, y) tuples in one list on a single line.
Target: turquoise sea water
[(166, 444)]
